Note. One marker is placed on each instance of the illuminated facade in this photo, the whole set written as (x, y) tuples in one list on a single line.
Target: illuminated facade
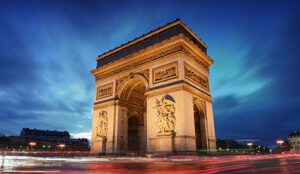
[(153, 95), (294, 141), (43, 140)]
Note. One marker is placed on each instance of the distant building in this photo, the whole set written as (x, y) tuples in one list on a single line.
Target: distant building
[(229, 144), (43, 140), (26, 132), (294, 141)]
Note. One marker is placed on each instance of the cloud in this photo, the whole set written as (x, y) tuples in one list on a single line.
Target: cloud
[(258, 96), (87, 135), (47, 49)]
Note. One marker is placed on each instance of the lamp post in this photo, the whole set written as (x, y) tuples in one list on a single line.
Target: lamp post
[(250, 144), (61, 146), (32, 144), (280, 142)]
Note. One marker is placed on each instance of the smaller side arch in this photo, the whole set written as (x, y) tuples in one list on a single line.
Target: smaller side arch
[(200, 105), (200, 122)]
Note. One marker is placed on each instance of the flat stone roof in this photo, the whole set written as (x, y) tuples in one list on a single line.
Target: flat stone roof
[(160, 34)]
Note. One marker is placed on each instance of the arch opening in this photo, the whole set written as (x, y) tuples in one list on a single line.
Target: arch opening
[(200, 128), (134, 99)]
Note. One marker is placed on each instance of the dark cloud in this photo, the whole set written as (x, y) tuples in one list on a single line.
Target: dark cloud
[(271, 112), (15, 62), (47, 49)]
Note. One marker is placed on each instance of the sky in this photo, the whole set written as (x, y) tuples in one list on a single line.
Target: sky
[(47, 49)]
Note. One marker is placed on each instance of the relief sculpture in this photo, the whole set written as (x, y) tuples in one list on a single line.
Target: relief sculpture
[(102, 127), (195, 76), (165, 120), (165, 72)]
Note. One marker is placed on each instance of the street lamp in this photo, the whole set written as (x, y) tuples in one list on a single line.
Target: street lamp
[(32, 144), (280, 142), (61, 146), (250, 144)]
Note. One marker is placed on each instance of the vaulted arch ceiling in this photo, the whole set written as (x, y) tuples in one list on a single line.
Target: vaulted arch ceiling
[(134, 92)]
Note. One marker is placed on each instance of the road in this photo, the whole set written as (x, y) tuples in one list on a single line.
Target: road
[(175, 165)]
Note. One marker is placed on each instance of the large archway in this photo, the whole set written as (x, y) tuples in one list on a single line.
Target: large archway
[(132, 94), (133, 134), (200, 127)]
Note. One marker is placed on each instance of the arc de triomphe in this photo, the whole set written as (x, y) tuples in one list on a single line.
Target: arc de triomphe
[(152, 95)]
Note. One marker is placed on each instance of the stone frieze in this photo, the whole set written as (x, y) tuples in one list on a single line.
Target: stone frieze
[(195, 76), (104, 91), (165, 72)]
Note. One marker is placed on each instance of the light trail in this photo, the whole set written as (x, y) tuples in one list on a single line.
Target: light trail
[(174, 164)]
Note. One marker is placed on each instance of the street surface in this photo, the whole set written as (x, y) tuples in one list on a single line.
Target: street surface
[(175, 165)]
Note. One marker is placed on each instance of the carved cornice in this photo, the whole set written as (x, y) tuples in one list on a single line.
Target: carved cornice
[(140, 61), (190, 53), (104, 104), (130, 105), (197, 93), (180, 86), (122, 65), (160, 29)]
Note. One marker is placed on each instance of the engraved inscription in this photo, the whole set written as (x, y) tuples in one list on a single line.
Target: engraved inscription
[(195, 76), (165, 72), (104, 91)]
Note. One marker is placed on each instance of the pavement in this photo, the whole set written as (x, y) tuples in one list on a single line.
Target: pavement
[(282, 163)]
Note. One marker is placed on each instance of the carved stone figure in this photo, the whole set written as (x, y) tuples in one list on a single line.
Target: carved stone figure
[(102, 127), (166, 119)]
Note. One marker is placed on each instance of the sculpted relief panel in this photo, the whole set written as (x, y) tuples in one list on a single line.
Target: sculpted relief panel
[(165, 72), (166, 119), (195, 76), (104, 91), (102, 125)]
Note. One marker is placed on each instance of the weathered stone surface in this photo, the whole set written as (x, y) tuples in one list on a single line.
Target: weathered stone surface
[(156, 100)]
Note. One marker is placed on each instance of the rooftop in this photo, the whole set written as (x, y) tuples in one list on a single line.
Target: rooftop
[(155, 36), (44, 133), (294, 134)]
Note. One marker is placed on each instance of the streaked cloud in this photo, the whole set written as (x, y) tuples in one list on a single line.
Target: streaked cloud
[(47, 49)]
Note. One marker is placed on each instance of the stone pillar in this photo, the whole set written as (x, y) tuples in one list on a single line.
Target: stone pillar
[(165, 142), (101, 143), (182, 138), (210, 127), (121, 130)]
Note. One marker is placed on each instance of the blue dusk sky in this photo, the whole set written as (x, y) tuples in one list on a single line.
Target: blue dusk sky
[(47, 49)]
